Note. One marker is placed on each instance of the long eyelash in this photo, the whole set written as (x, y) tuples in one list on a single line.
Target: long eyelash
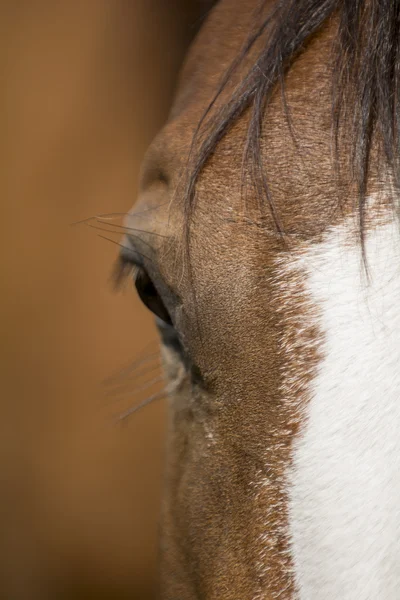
[(103, 220), (87, 224), (125, 229), (123, 268), (115, 215), (123, 246)]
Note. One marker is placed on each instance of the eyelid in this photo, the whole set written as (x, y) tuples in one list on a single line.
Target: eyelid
[(129, 256), (130, 264)]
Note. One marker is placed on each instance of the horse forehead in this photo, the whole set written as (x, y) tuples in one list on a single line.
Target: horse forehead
[(299, 174), (219, 40), (302, 193)]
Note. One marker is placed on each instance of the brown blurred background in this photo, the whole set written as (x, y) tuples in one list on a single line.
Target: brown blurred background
[(86, 85)]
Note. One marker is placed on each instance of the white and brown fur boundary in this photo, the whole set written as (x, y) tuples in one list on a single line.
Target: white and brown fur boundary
[(282, 470)]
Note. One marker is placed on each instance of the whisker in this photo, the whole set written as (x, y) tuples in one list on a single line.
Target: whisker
[(132, 380), (116, 398), (143, 404), (120, 395), (103, 216), (124, 227), (114, 215), (117, 233), (122, 246), (136, 363)]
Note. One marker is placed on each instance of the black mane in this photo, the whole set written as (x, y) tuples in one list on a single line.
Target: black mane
[(365, 86)]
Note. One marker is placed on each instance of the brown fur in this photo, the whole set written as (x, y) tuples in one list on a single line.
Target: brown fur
[(224, 520)]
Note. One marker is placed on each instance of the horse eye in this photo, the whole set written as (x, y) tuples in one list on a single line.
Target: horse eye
[(149, 295)]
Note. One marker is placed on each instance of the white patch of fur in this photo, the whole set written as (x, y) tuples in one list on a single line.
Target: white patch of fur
[(344, 485)]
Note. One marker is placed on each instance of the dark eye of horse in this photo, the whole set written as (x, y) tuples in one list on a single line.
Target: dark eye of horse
[(150, 297)]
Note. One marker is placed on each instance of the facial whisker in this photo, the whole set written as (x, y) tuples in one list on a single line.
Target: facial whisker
[(114, 398), (135, 229), (122, 246), (143, 404), (134, 365), (129, 381), (114, 215), (116, 233)]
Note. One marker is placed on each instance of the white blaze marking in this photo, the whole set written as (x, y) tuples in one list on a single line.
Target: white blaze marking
[(345, 480)]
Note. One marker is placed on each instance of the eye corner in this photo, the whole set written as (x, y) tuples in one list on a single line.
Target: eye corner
[(171, 339), (168, 334)]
